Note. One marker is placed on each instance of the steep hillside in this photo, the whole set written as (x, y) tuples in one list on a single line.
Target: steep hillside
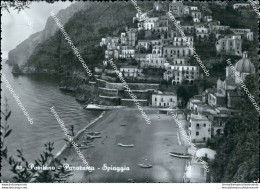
[(237, 157), (85, 28), (23, 51)]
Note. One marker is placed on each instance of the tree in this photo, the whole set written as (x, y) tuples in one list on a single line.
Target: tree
[(21, 168), (237, 157), (6, 5)]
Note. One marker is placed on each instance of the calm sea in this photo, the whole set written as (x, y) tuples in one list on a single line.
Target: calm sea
[(38, 94)]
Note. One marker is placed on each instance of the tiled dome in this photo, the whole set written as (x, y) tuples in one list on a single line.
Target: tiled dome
[(244, 65)]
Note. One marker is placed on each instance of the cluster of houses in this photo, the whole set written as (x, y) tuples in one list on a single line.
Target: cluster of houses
[(208, 112), (214, 105), (155, 43)]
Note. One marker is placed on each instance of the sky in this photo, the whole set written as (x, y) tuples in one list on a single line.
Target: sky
[(18, 27)]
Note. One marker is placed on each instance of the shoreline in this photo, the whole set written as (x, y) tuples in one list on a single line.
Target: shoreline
[(65, 147), (152, 143)]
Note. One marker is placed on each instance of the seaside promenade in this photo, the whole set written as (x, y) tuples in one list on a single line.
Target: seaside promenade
[(152, 144)]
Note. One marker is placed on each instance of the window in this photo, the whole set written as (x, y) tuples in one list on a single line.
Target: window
[(204, 125), (170, 99), (155, 99), (197, 133)]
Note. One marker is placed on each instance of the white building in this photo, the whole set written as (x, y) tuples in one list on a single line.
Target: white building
[(167, 99), (239, 5), (130, 71), (153, 60), (150, 23), (193, 8), (127, 52), (199, 128), (246, 33), (194, 173), (196, 14), (202, 32), (144, 43), (110, 42), (230, 44), (157, 49), (178, 41), (139, 17), (179, 73), (208, 18)]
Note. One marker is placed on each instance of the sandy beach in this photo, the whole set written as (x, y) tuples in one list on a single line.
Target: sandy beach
[(152, 144)]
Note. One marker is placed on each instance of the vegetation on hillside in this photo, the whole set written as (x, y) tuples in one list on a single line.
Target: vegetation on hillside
[(85, 29), (237, 157)]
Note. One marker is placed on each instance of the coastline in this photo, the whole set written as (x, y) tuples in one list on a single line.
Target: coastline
[(79, 133), (152, 144)]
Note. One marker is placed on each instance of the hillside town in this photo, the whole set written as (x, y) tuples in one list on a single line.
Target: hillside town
[(131, 92), (155, 60)]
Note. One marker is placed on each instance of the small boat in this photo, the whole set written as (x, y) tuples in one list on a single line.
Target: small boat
[(145, 165), (95, 136), (92, 133), (180, 155), (86, 146), (123, 124), (88, 142), (101, 107), (125, 145)]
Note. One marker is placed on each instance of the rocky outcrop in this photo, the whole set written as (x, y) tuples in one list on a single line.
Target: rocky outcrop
[(16, 69), (23, 51)]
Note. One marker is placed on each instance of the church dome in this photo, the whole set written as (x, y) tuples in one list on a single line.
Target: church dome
[(244, 65)]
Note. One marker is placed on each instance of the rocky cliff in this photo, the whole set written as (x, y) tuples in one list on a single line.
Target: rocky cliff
[(23, 51), (85, 28)]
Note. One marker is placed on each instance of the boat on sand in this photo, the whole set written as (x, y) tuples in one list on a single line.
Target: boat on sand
[(145, 165), (180, 155), (125, 145)]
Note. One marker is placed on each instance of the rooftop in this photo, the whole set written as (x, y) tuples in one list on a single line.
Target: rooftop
[(198, 117)]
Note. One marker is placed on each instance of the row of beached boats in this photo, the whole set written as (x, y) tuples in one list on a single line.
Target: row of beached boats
[(89, 138)]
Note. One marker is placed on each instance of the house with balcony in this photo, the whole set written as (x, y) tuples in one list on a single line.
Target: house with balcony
[(171, 52), (154, 61), (179, 41), (180, 73), (130, 71), (127, 52)]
